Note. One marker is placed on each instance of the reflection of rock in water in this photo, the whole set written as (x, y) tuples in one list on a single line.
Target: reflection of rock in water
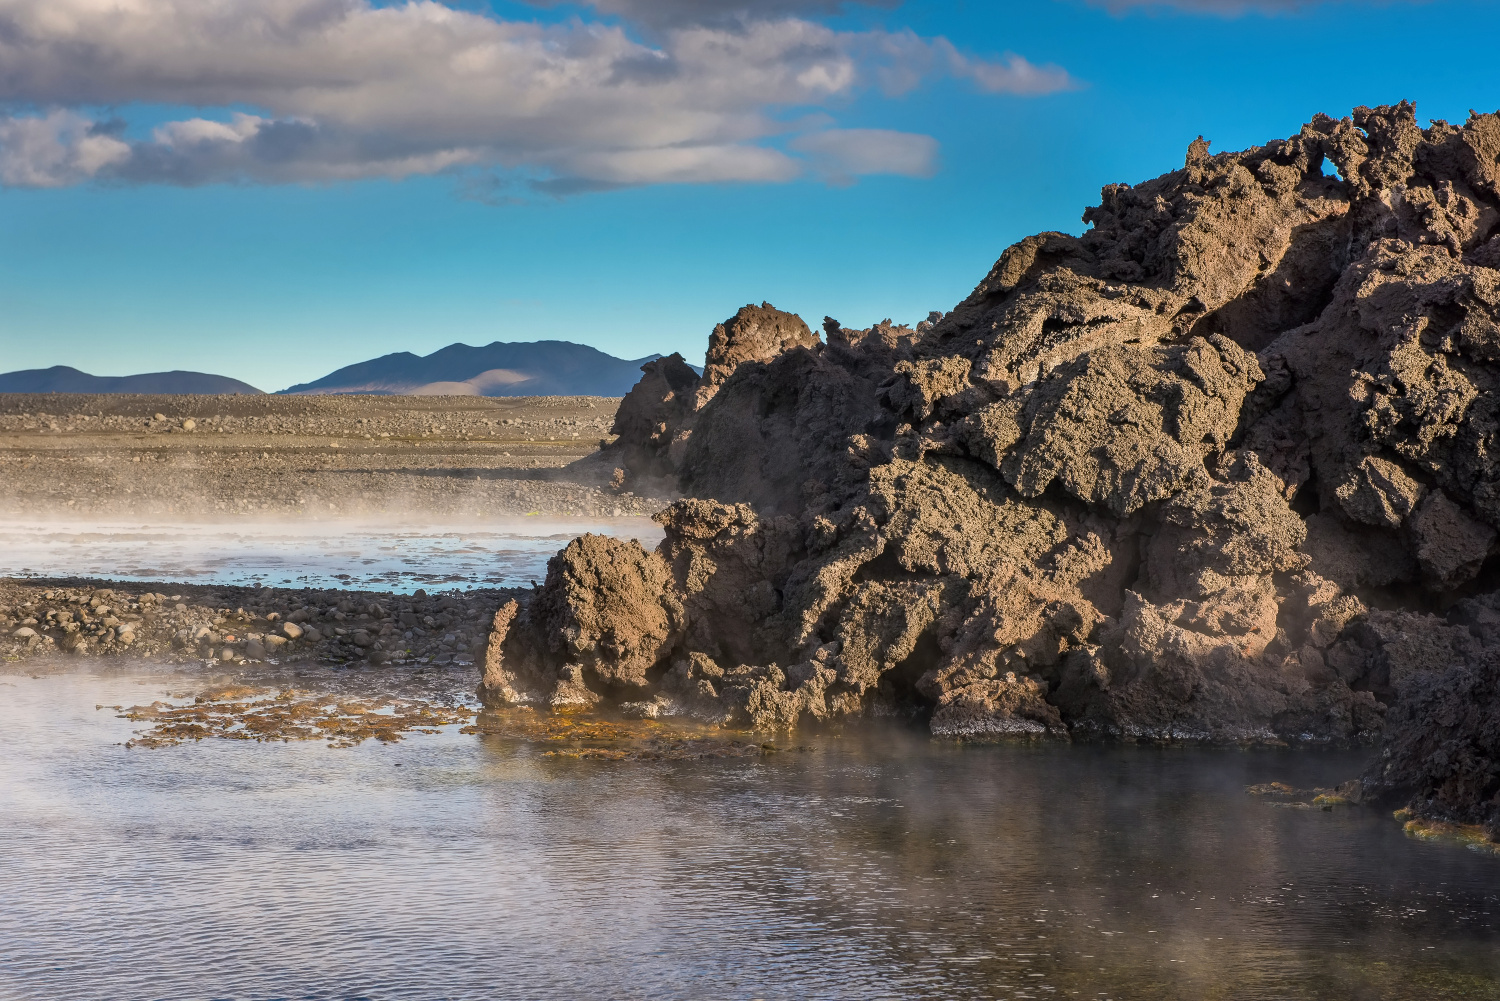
[(584, 735), (1144, 483)]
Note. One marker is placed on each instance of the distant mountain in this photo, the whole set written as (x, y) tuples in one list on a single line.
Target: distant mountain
[(62, 379), (536, 368)]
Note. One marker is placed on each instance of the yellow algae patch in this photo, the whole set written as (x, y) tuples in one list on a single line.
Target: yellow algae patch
[(1282, 794), (1469, 835), (240, 712), (581, 735), (227, 693), (243, 713), (1272, 789), (1328, 800)]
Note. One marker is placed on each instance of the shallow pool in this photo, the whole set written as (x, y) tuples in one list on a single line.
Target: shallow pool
[(876, 864), (398, 556)]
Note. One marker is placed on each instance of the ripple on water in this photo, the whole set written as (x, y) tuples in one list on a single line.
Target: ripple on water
[(877, 865)]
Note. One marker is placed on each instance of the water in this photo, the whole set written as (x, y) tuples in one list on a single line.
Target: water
[(361, 555), (877, 864)]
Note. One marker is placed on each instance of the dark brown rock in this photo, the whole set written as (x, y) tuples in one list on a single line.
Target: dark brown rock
[(605, 617), (1450, 544), (754, 334), (1143, 482), (1004, 707)]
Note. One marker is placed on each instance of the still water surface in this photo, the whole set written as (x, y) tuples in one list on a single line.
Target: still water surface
[(877, 864), (390, 555)]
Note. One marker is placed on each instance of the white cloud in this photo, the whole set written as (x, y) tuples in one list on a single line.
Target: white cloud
[(343, 89), (200, 131), (903, 60), (54, 150), (686, 163), (1012, 76), (843, 153)]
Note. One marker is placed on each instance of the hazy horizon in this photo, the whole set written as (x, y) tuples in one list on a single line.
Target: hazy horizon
[(353, 364)]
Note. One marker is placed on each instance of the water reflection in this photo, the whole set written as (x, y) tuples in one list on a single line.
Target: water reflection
[(876, 864)]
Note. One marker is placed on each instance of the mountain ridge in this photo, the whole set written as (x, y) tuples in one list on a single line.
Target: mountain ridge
[(500, 368), (66, 379)]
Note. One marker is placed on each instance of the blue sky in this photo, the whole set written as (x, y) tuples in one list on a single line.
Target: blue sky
[(270, 189)]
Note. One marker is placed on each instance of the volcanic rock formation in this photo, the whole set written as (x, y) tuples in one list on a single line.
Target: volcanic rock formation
[(1224, 467)]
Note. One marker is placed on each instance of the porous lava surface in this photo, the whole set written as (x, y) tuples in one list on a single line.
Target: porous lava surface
[(1225, 467)]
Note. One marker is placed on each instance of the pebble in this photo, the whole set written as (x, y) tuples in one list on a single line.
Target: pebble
[(234, 625)]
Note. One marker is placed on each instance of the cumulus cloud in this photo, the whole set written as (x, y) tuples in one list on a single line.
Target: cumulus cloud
[(56, 149), (344, 89)]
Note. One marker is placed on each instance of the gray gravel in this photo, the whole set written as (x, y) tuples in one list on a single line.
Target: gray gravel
[(236, 626), (211, 457)]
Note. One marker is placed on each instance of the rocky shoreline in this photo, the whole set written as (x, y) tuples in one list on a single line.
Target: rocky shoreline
[(240, 626), (1222, 468)]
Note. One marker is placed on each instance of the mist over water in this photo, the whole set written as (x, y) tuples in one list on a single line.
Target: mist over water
[(877, 864), (395, 554)]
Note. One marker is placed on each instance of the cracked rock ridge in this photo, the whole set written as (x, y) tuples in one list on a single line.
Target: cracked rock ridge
[(1225, 467)]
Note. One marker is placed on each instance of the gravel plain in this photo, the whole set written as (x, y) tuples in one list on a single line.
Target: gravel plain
[(222, 458), (208, 457)]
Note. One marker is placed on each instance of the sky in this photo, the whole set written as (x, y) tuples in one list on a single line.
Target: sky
[(272, 189)]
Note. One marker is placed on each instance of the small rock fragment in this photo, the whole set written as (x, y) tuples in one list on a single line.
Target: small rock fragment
[(1451, 546), (1378, 492)]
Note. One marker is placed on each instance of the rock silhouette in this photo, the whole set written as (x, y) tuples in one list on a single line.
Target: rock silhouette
[(1225, 467)]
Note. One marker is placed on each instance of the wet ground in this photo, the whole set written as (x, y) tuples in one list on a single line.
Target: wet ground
[(507, 861)]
